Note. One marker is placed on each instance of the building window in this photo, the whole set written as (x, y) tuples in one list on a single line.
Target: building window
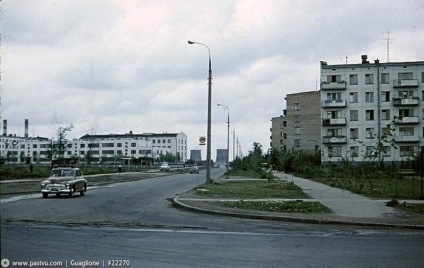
[(387, 151), (353, 97), (353, 79), (370, 133), (334, 96), (369, 97), (406, 150), (385, 96), (284, 123), (334, 78), (335, 151), (334, 132), (369, 79), (406, 131), (385, 79), (405, 76), (285, 136), (296, 143), (297, 131), (296, 106), (354, 151), (369, 151), (107, 145), (353, 115), (406, 113), (297, 118), (354, 133), (369, 115), (385, 114)]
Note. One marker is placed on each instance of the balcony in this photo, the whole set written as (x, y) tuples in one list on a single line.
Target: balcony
[(334, 104), (334, 140), (407, 120), (406, 101), (399, 83), (333, 85), (407, 139), (334, 121)]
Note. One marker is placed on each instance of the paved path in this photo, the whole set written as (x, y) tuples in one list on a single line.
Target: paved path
[(341, 202)]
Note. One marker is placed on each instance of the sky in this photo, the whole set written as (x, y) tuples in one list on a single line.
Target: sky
[(114, 66)]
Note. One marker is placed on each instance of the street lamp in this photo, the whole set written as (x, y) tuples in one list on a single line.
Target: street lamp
[(208, 136), (228, 134)]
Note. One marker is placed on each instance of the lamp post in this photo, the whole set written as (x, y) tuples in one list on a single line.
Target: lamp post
[(228, 134), (208, 136)]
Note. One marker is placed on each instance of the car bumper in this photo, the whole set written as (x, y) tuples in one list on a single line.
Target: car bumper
[(56, 190)]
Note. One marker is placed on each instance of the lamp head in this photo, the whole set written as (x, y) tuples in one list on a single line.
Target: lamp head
[(190, 42)]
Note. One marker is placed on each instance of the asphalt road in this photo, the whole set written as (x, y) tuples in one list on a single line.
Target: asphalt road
[(134, 223)]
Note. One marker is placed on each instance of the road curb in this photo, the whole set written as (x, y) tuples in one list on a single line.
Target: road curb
[(180, 204)]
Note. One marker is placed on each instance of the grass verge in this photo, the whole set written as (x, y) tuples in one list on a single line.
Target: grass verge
[(252, 189), (262, 189), (296, 206)]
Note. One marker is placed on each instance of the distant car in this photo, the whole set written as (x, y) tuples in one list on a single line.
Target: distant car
[(164, 167), (64, 181), (194, 169)]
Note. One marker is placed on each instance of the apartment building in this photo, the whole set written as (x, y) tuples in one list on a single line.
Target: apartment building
[(372, 111), (95, 148), (299, 126)]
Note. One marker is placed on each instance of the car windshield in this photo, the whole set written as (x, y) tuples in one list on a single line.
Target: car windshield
[(62, 173)]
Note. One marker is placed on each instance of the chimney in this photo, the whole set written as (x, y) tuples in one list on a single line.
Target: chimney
[(4, 127), (364, 59), (26, 128)]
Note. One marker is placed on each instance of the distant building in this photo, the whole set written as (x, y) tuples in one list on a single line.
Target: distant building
[(221, 157), (196, 155), (139, 148), (299, 126), (360, 103)]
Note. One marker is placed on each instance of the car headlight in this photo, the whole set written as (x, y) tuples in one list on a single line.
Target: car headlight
[(43, 184), (66, 185)]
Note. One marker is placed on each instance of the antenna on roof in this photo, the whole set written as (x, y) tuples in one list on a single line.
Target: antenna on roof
[(388, 46)]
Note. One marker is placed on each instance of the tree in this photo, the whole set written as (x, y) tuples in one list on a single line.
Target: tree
[(59, 147)]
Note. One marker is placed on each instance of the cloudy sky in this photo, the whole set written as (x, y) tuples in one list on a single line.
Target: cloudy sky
[(114, 66)]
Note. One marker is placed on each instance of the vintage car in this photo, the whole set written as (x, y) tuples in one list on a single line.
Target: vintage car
[(64, 181), (194, 169), (165, 167)]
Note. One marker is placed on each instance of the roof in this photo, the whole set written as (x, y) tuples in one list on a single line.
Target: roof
[(129, 135)]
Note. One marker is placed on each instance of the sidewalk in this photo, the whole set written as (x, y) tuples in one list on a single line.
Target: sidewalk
[(347, 208)]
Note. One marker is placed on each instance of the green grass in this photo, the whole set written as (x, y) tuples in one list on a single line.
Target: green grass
[(252, 189), (416, 208), (405, 188), (296, 206)]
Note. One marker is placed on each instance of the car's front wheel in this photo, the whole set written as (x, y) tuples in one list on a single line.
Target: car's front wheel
[(71, 191), (45, 195), (82, 192)]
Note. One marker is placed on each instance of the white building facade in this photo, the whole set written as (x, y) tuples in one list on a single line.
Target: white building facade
[(372, 111), (95, 148)]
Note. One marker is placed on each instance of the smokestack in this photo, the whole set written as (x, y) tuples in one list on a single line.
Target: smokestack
[(26, 128), (4, 127)]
